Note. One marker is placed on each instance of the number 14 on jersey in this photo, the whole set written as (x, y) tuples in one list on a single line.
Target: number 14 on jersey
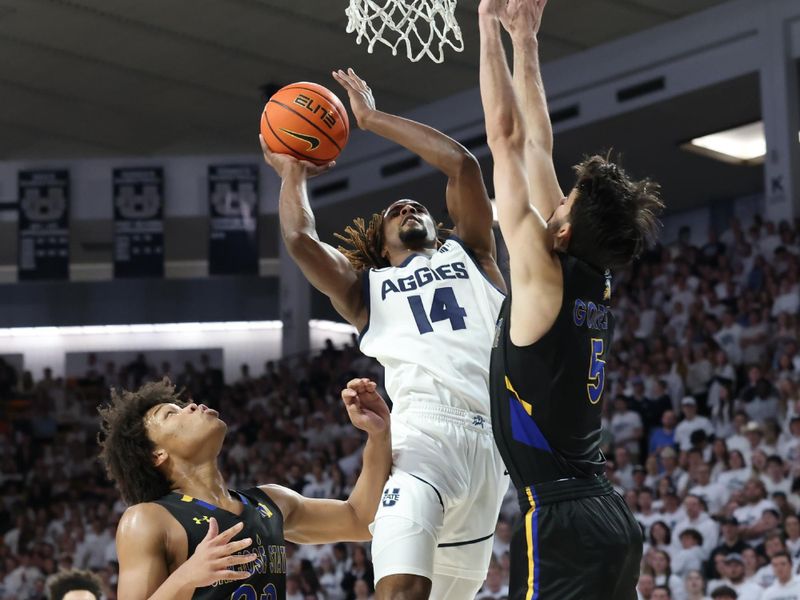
[(444, 307)]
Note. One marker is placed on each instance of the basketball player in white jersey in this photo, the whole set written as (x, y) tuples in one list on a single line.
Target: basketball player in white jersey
[(426, 309)]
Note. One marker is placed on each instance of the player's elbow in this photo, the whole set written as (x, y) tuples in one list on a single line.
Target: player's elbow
[(505, 134), (466, 163), (298, 241)]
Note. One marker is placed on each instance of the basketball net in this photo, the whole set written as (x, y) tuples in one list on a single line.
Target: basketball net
[(424, 26)]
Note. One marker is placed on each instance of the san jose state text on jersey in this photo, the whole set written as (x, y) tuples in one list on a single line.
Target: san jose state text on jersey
[(431, 323)]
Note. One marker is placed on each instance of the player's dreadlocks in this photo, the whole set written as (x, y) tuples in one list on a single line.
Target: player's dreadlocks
[(366, 242), (125, 448)]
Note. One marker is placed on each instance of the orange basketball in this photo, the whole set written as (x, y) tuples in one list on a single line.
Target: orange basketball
[(307, 121)]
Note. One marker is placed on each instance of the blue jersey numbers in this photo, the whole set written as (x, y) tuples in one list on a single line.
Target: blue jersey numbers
[(597, 371), (248, 592), (444, 307)]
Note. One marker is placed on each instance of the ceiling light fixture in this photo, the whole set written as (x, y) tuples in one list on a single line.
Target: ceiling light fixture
[(743, 145)]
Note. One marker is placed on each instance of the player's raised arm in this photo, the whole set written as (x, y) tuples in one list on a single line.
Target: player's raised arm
[(143, 563), (523, 23), (324, 266), (314, 521), (467, 201), (505, 132)]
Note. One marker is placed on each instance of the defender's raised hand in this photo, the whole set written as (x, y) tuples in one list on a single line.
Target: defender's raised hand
[(365, 406), (523, 18), (362, 102)]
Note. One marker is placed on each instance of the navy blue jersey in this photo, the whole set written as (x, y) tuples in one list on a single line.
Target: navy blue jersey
[(547, 397), (263, 523)]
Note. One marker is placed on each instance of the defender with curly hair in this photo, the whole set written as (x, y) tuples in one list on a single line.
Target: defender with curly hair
[(75, 585), (162, 450), (425, 300)]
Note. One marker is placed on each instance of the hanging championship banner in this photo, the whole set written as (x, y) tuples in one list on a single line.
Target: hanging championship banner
[(43, 226), (233, 202), (138, 222)]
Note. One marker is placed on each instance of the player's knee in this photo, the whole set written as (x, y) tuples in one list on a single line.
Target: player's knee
[(403, 587)]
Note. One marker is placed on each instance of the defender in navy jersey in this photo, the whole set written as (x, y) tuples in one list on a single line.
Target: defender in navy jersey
[(578, 540), (425, 302), (162, 452)]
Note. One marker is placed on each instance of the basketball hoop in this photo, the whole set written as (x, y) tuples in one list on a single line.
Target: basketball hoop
[(424, 26)]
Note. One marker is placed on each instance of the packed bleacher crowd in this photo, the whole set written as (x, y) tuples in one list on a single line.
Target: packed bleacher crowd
[(702, 436)]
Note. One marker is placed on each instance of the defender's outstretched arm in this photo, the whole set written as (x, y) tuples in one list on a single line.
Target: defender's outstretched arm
[(523, 22), (322, 521), (535, 268)]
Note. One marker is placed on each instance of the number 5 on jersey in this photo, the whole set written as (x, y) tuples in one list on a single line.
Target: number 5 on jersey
[(597, 371), (444, 307)]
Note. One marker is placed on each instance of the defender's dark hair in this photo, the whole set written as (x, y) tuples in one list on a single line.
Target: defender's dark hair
[(74, 580), (614, 218), (366, 243), (125, 449)]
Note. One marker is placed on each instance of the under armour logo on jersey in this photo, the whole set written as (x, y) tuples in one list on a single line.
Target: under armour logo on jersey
[(391, 498), (264, 511), (201, 520), (478, 421)]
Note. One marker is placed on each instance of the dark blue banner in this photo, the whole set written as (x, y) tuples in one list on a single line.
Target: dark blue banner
[(138, 222), (43, 226), (233, 227)]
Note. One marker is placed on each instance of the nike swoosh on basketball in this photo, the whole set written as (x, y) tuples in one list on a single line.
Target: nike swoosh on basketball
[(313, 143)]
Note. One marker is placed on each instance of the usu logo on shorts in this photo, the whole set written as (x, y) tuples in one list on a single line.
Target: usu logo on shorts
[(391, 498)]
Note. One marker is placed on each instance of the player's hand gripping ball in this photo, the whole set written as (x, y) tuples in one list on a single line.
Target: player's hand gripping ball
[(307, 121)]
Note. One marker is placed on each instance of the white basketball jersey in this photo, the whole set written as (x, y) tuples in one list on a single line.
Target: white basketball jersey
[(431, 325)]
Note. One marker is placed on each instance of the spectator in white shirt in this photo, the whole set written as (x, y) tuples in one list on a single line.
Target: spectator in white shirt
[(787, 586), (788, 301), (715, 495), (754, 434), (493, 588), (626, 426), (735, 578), (645, 586), (760, 401), (696, 518), (690, 556), (91, 552), (723, 408), (738, 441), (750, 516), (728, 337), (646, 516), (624, 468), (773, 545), (791, 526), (691, 422), (774, 478), (502, 538), (694, 585), (789, 445)]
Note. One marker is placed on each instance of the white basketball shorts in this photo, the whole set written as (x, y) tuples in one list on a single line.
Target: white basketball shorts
[(440, 505)]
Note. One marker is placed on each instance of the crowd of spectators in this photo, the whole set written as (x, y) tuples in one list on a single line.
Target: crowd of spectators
[(702, 413), (701, 416)]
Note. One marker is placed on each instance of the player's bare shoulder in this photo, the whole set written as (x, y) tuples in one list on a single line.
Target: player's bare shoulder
[(149, 526)]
